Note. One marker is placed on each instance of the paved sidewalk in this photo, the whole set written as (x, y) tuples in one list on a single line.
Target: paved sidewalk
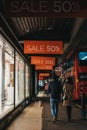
[(37, 116), (62, 124), (29, 119)]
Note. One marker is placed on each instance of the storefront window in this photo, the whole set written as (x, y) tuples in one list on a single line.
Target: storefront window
[(7, 89), (27, 81), (19, 80), (1, 97), (6, 77)]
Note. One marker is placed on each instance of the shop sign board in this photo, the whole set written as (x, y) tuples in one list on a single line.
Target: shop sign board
[(46, 8), (43, 67), (39, 60), (44, 74), (43, 47)]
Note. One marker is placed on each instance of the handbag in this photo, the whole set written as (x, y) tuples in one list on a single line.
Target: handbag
[(65, 97)]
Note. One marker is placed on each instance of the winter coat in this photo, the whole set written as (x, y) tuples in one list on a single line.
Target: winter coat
[(68, 91), (55, 88)]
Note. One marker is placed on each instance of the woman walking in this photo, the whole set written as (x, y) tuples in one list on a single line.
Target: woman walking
[(68, 97)]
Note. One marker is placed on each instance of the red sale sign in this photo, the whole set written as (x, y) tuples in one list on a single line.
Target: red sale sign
[(43, 47)]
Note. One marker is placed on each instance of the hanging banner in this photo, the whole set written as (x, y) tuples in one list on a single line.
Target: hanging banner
[(39, 60), (46, 8), (43, 47), (43, 67), (44, 74)]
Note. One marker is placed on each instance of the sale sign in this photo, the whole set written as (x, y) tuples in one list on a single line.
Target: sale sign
[(46, 8), (39, 60), (43, 67), (43, 47), (44, 74)]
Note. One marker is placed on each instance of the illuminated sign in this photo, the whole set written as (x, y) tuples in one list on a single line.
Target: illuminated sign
[(43, 67), (43, 47), (44, 74), (49, 8), (39, 60)]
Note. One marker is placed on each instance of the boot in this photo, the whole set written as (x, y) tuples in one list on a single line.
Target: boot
[(69, 113), (56, 118)]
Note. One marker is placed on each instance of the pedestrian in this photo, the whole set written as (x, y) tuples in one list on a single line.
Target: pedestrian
[(68, 96), (63, 79), (55, 89)]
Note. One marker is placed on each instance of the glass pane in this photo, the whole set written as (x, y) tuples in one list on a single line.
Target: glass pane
[(82, 58), (1, 75), (19, 82), (82, 55), (27, 82), (6, 77)]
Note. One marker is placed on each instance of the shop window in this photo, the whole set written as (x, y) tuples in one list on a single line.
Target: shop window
[(27, 81), (6, 77), (19, 80)]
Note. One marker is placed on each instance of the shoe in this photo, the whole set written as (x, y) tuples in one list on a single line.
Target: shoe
[(54, 119)]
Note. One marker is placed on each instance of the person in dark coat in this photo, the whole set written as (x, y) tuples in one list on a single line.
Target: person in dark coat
[(55, 89)]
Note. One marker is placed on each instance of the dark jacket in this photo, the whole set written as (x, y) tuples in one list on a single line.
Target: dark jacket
[(55, 88)]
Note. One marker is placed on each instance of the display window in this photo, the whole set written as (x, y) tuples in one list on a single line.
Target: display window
[(19, 79), (13, 90), (27, 79), (6, 77)]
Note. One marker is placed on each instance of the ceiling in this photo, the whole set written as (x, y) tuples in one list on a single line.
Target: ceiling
[(42, 28)]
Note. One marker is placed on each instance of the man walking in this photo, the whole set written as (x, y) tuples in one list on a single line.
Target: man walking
[(55, 89)]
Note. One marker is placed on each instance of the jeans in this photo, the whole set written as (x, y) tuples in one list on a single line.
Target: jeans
[(54, 103)]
